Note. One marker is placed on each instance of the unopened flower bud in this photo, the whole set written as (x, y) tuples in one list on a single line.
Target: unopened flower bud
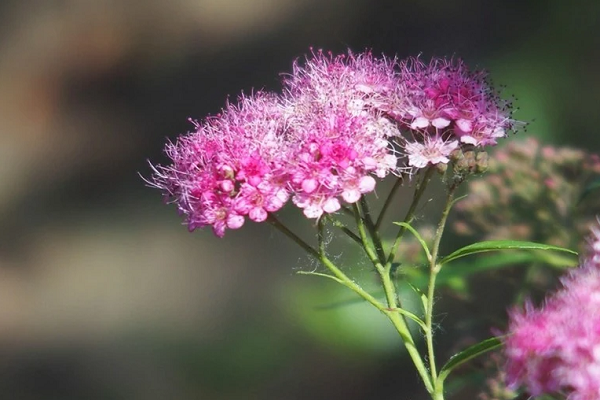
[(441, 168), (456, 155), (461, 165), (481, 162)]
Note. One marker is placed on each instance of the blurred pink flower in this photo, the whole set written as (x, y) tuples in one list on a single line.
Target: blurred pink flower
[(557, 347)]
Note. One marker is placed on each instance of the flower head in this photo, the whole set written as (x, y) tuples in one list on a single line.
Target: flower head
[(448, 98), (339, 136), (341, 122), (557, 347), (231, 167), (336, 154)]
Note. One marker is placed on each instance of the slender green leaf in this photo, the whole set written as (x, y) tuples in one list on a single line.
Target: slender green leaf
[(417, 235), (421, 295), (460, 270), (468, 354), (412, 316), (495, 245), (497, 261), (464, 269), (322, 275)]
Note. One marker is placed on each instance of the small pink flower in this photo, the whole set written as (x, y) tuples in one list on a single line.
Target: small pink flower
[(427, 116), (257, 202), (432, 151), (221, 217), (314, 206)]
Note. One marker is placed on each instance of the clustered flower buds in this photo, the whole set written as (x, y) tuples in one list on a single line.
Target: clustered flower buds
[(525, 176), (556, 348), (341, 122)]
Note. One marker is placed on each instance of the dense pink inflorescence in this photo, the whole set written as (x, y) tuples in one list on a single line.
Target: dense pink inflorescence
[(557, 347), (341, 122), (232, 166), (446, 104), (342, 140)]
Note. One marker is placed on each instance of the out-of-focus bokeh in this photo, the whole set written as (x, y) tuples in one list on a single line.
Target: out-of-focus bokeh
[(104, 295)]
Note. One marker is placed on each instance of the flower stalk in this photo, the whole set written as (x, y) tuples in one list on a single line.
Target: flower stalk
[(434, 270)]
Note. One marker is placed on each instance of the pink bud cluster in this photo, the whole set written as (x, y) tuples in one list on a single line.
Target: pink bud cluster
[(341, 122), (556, 348)]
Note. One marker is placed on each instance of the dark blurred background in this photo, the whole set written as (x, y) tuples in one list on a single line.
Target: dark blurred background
[(104, 295)]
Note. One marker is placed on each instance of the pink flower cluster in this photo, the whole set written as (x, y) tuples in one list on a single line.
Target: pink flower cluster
[(556, 348), (444, 105), (234, 165), (341, 122)]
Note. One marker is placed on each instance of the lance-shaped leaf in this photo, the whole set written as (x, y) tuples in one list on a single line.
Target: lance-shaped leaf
[(495, 245), (416, 235), (468, 354), (417, 278)]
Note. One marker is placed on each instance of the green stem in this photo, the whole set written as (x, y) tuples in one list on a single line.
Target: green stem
[(388, 286), (429, 325), (322, 257), (367, 244), (373, 231), (320, 237), (434, 269), (390, 311), (349, 283), (390, 293), (284, 229), (401, 326), (339, 224)]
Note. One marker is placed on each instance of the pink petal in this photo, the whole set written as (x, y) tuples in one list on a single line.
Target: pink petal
[(309, 185), (420, 123), (367, 184), (235, 221), (469, 140), (313, 211), (219, 229), (258, 214), (331, 205), (464, 125), (227, 185), (440, 123), (364, 88), (351, 196)]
